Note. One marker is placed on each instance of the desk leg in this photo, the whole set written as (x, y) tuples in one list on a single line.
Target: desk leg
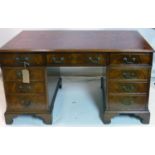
[(9, 118), (102, 83), (46, 118), (144, 116), (107, 116)]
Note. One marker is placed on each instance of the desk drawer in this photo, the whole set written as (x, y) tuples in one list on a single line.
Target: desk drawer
[(128, 102), (18, 87), (129, 73), (127, 87), (15, 74), (130, 59), (19, 59), (27, 103), (83, 59)]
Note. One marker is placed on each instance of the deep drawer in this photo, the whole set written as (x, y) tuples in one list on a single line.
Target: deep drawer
[(19, 59), (130, 58), (18, 87), (85, 59), (128, 102), (128, 87), (15, 74), (129, 73), (27, 103)]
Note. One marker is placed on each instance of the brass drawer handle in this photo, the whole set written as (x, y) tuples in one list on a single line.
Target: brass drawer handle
[(26, 103), (23, 60), (128, 60), (19, 74), (58, 60), (128, 88), (128, 101), (94, 60), (24, 88), (129, 74)]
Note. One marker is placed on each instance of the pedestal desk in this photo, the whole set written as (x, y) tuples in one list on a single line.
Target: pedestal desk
[(31, 87)]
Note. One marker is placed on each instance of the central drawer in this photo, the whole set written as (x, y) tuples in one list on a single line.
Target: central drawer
[(18, 87), (127, 87), (27, 103), (80, 59)]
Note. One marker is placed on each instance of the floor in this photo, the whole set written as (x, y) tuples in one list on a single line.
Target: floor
[(79, 101)]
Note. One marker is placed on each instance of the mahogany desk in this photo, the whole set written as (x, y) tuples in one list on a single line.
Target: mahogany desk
[(25, 62)]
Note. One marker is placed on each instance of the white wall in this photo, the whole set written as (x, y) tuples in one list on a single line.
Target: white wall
[(7, 34), (149, 35)]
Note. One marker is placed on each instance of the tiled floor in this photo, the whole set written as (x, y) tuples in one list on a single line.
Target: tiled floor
[(79, 101)]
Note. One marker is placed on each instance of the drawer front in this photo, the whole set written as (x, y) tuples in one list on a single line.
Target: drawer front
[(130, 59), (128, 87), (20, 59), (18, 87), (129, 73), (85, 59), (127, 102), (15, 74), (26, 103)]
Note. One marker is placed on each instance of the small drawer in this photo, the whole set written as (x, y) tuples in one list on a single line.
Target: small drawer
[(80, 59), (129, 73), (15, 74), (26, 103), (130, 59), (95, 59), (18, 87), (127, 87), (22, 59), (128, 102), (59, 59)]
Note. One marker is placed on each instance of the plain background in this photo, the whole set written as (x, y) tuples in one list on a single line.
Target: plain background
[(77, 14), (66, 116)]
